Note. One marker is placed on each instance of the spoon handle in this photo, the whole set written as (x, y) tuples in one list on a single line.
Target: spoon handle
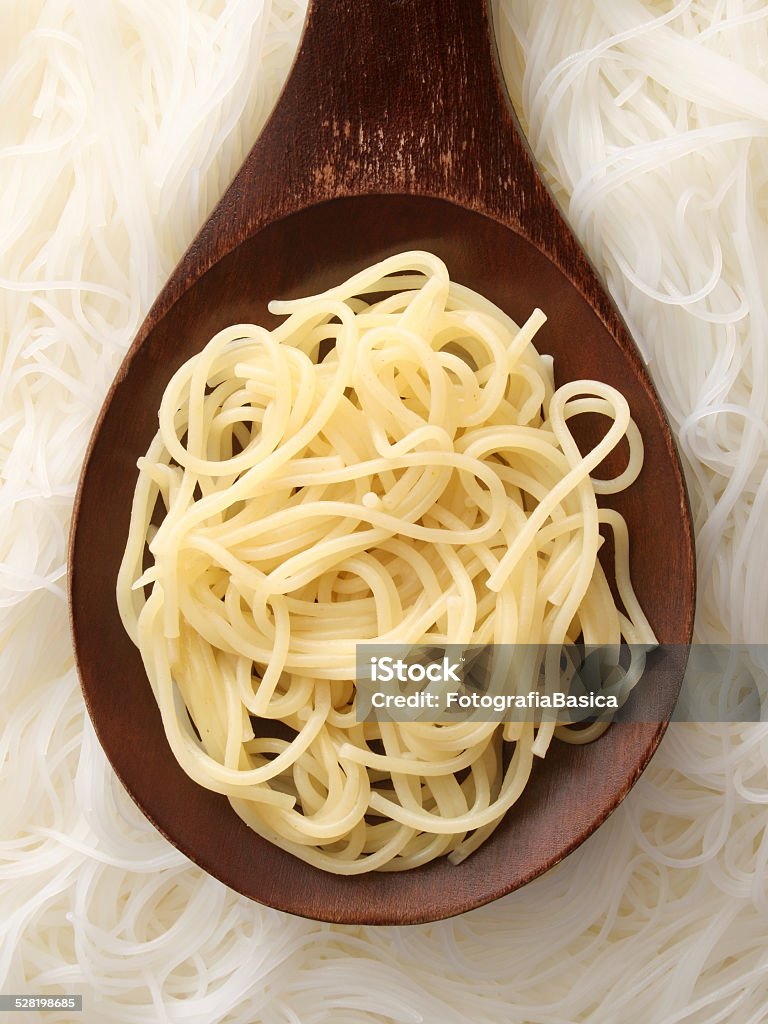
[(393, 96), (400, 96)]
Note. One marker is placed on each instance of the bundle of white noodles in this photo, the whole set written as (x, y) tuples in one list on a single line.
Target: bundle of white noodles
[(418, 482), (121, 124)]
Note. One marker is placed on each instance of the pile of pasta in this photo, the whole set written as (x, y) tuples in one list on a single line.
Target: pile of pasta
[(391, 464)]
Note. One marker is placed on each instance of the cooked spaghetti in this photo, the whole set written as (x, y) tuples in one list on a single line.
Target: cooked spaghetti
[(393, 463)]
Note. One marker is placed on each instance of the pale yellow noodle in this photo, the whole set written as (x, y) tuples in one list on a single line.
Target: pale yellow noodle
[(419, 483)]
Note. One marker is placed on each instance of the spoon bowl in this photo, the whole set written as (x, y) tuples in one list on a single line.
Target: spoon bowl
[(403, 140)]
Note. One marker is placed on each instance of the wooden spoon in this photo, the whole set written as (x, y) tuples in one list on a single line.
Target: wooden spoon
[(393, 132)]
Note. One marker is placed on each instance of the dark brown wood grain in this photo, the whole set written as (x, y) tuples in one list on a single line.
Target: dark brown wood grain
[(393, 131)]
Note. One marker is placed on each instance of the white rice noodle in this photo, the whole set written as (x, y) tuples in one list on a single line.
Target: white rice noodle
[(122, 123)]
